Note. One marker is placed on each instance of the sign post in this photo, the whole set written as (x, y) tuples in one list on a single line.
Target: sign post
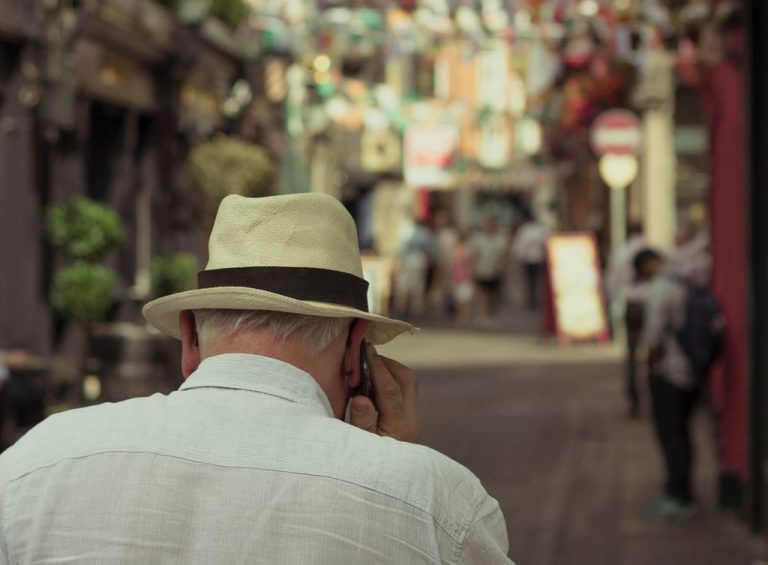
[(616, 131), (618, 172), (616, 138)]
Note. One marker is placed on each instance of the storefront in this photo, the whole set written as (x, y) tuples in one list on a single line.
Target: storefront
[(208, 104), (23, 291), (122, 58)]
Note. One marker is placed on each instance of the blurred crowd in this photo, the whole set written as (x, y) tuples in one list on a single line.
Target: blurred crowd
[(446, 271), (443, 271)]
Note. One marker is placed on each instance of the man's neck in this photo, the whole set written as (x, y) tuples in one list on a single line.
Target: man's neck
[(324, 366)]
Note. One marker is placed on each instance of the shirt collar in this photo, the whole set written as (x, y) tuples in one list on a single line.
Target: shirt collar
[(265, 375)]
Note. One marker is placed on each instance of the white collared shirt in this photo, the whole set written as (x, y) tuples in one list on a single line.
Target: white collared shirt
[(621, 279), (244, 464), (665, 311), (530, 243)]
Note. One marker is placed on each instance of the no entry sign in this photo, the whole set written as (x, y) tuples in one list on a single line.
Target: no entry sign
[(616, 132)]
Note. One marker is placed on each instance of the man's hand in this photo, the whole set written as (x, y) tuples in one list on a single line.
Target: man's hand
[(17, 359), (395, 414), (655, 356)]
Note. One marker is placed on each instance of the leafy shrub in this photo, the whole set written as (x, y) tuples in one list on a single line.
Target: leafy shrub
[(83, 292), (173, 273), (174, 5), (84, 229), (226, 165), (231, 12)]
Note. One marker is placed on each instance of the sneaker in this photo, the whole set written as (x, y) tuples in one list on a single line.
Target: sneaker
[(671, 508)]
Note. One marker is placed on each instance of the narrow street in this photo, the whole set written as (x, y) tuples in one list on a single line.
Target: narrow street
[(546, 432)]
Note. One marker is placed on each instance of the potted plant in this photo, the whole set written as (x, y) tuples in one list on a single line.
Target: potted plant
[(83, 232), (231, 13), (173, 273), (226, 165)]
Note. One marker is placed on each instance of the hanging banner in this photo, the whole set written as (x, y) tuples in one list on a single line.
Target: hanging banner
[(493, 91), (380, 150), (576, 288), (430, 155), (494, 146)]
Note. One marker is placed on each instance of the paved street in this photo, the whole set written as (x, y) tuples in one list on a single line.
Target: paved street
[(546, 432)]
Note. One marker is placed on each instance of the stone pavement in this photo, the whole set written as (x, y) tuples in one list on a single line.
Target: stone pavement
[(546, 431)]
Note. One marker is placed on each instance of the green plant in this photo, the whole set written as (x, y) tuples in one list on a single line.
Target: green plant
[(83, 292), (231, 12), (225, 165), (84, 230), (173, 273), (173, 5)]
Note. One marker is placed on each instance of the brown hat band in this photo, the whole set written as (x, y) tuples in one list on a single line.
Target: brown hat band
[(300, 283)]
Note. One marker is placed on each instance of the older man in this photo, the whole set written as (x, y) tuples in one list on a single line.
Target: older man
[(251, 460)]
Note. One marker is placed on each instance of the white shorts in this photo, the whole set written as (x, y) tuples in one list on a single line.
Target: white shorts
[(463, 292)]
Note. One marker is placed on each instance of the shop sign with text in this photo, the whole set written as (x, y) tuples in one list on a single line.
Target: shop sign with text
[(430, 155)]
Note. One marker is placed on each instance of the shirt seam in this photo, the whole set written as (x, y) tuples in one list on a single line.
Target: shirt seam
[(238, 367), (460, 529), (4, 524), (281, 395), (461, 544), (293, 398)]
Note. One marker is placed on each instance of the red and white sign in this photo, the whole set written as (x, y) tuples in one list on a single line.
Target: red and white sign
[(430, 155), (616, 132)]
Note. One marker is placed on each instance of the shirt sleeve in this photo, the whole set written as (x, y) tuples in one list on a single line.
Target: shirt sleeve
[(657, 313), (486, 542)]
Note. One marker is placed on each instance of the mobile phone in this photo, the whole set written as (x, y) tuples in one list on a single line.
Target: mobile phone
[(366, 384)]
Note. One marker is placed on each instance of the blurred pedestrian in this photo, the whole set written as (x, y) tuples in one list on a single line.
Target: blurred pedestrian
[(673, 384), (254, 459), (439, 293), (22, 402), (489, 247), (692, 257), (10, 359), (529, 247), (413, 260), (14, 360), (462, 285), (628, 292)]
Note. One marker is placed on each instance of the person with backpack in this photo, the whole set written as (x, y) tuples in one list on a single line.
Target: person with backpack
[(681, 331)]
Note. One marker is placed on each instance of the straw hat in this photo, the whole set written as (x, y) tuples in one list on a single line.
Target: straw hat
[(296, 253)]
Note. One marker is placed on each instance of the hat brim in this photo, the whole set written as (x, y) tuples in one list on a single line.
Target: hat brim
[(163, 313)]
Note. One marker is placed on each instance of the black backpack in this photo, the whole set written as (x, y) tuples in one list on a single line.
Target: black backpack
[(701, 336)]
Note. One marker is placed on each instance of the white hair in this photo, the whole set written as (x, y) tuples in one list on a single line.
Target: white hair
[(314, 332)]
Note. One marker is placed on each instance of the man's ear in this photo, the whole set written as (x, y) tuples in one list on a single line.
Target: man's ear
[(352, 352), (190, 348)]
